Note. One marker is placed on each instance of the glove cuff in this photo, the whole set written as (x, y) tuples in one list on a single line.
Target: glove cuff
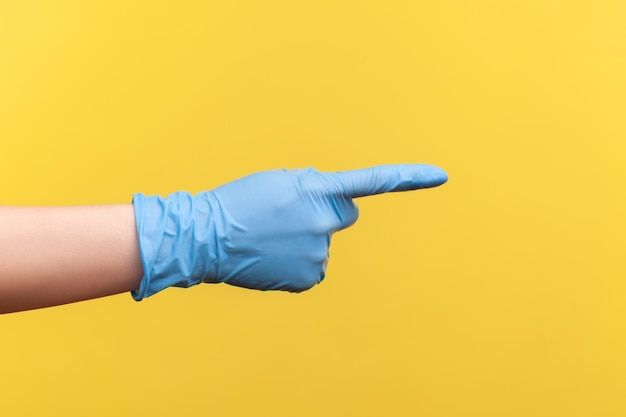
[(173, 251)]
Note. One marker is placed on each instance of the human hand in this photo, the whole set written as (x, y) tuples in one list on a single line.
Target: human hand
[(266, 231)]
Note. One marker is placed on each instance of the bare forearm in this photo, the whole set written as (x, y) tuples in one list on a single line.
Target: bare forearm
[(58, 255)]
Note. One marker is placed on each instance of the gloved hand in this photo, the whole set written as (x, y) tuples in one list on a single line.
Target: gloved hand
[(267, 231)]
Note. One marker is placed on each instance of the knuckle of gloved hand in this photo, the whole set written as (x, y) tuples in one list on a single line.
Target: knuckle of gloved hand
[(335, 185), (320, 183), (350, 214), (306, 281)]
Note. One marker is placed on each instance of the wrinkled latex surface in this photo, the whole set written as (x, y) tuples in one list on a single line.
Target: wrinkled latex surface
[(266, 231)]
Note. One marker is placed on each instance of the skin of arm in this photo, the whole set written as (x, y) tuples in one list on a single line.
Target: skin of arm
[(58, 255)]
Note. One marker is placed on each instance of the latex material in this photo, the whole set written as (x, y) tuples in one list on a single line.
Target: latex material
[(267, 231)]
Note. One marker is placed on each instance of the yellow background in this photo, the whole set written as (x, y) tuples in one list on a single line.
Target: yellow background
[(501, 293)]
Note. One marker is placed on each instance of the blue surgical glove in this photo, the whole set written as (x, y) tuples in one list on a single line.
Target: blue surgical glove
[(267, 231)]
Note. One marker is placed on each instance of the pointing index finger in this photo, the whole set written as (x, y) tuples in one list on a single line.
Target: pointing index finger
[(391, 178)]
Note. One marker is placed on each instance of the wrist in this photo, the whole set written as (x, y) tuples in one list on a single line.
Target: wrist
[(174, 241)]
